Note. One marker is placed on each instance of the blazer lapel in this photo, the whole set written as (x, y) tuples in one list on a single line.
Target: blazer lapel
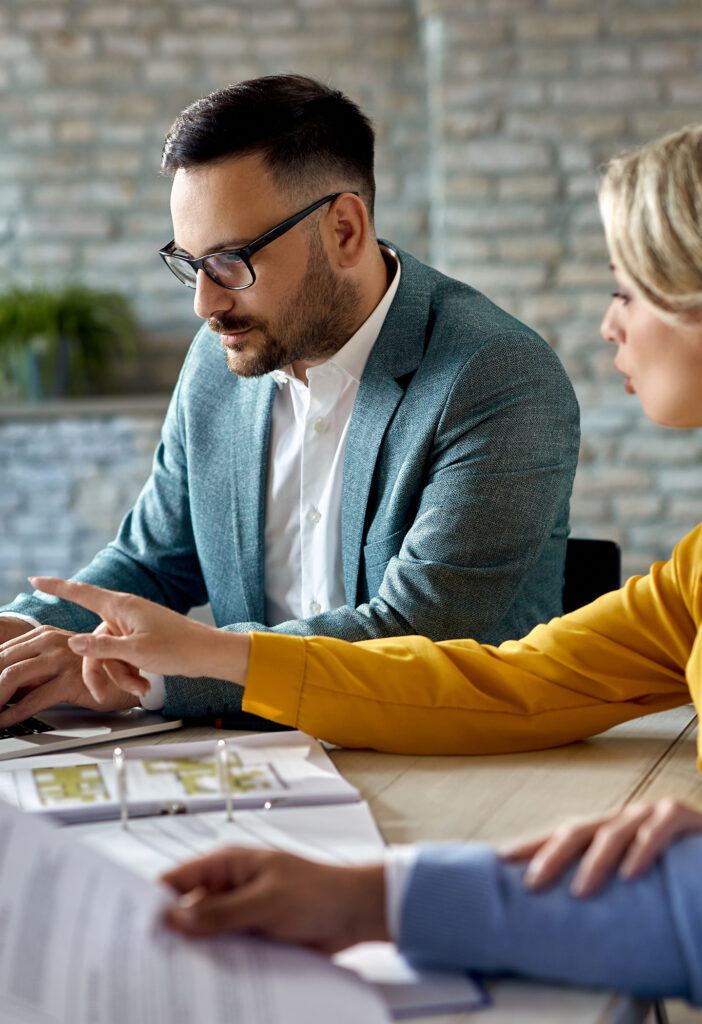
[(397, 353), (250, 434)]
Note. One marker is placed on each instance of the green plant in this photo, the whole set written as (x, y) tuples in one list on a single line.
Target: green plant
[(62, 342)]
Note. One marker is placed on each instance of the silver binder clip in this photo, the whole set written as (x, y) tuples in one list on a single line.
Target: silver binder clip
[(121, 781), (225, 781)]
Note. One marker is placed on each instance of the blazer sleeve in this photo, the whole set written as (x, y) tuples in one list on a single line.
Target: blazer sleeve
[(463, 907), (632, 652)]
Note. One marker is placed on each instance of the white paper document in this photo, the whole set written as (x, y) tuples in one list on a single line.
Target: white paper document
[(81, 943), (334, 833), (409, 991)]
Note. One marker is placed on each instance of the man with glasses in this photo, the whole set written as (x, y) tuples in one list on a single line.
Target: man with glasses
[(357, 446)]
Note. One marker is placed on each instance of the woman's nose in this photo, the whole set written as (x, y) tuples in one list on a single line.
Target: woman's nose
[(610, 328)]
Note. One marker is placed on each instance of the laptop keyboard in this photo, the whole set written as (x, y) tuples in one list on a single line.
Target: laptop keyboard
[(29, 727)]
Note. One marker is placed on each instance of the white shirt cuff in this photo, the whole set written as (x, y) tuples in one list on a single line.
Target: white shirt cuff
[(25, 618), (156, 697), (399, 861)]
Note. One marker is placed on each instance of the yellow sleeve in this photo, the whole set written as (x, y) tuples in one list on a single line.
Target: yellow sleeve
[(630, 653)]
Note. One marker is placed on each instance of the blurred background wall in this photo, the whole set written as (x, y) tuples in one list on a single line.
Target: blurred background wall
[(492, 118)]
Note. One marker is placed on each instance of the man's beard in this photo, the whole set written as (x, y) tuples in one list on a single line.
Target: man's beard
[(314, 324)]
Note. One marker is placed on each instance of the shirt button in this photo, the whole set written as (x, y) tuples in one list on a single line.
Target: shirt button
[(319, 426), (315, 607), (314, 515)]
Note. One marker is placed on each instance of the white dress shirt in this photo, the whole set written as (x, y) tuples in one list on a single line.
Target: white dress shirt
[(302, 568)]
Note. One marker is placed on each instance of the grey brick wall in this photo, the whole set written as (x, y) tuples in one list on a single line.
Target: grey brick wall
[(493, 117), (66, 483), (534, 96)]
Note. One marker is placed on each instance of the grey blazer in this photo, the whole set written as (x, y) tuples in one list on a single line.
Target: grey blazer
[(459, 465)]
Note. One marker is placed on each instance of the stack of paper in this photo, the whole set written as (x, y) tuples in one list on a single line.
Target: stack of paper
[(291, 797)]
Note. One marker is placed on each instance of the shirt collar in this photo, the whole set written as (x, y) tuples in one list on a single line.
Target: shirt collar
[(353, 356)]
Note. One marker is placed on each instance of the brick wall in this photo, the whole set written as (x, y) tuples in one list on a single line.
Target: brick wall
[(89, 90), (493, 117), (66, 483), (534, 96)]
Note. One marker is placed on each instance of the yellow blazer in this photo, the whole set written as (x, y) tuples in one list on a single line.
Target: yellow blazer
[(632, 652)]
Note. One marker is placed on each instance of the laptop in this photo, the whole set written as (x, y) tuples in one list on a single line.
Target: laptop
[(65, 727)]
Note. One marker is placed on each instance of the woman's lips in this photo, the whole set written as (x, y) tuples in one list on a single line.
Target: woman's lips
[(628, 386)]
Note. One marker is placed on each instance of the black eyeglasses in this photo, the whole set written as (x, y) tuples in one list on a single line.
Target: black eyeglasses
[(232, 268)]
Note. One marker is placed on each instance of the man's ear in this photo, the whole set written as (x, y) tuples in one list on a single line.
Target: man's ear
[(346, 229)]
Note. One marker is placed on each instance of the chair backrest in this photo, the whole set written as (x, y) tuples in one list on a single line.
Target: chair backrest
[(592, 568)]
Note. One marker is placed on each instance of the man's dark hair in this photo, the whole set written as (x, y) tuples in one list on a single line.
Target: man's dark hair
[(304, 130)]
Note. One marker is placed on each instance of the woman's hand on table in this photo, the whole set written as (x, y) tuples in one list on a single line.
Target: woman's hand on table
[(278, 896), (626, 842), (137, 634)]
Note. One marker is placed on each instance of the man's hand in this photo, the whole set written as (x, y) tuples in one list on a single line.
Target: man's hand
[(10, 628), (278, 896), (628, 841), (38, 670), (137, 634)]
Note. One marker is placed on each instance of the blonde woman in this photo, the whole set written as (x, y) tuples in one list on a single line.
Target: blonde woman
[(632, 652)]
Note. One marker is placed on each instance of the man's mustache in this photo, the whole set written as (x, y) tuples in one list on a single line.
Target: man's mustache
[(230, 324)]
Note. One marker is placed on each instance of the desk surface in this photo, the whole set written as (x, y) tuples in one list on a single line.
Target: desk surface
[(501, 798)]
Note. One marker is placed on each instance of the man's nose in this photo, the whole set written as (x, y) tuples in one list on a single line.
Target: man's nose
[(210, 298)]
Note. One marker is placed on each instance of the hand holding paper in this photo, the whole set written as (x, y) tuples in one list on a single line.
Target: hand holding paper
[(279, 896), (137, 634)]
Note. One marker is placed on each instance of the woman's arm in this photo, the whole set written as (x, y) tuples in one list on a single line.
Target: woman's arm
[(624, 655)]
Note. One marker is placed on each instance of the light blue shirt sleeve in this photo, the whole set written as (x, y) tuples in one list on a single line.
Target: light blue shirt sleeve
[(466, 908)]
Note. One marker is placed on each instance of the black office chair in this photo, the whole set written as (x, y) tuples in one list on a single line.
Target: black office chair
[(592, 568)]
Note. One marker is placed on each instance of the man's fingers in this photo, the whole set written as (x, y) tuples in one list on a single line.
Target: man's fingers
[(217, 871), (32, 671), (36, 700), (243, 909), (8, 649), (95, 599)]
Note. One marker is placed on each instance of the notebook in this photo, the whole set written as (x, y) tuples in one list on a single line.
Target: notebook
[(64, 727)]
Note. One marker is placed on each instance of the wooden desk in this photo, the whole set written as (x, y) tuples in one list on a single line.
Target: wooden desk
[(500, 798)]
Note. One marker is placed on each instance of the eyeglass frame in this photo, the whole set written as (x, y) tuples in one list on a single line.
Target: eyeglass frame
[(246, 251)]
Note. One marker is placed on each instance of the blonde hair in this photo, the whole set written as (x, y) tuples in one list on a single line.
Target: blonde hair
[(651, 206)]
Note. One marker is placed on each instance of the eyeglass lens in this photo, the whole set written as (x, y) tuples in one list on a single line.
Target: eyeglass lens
[(225, 268)]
